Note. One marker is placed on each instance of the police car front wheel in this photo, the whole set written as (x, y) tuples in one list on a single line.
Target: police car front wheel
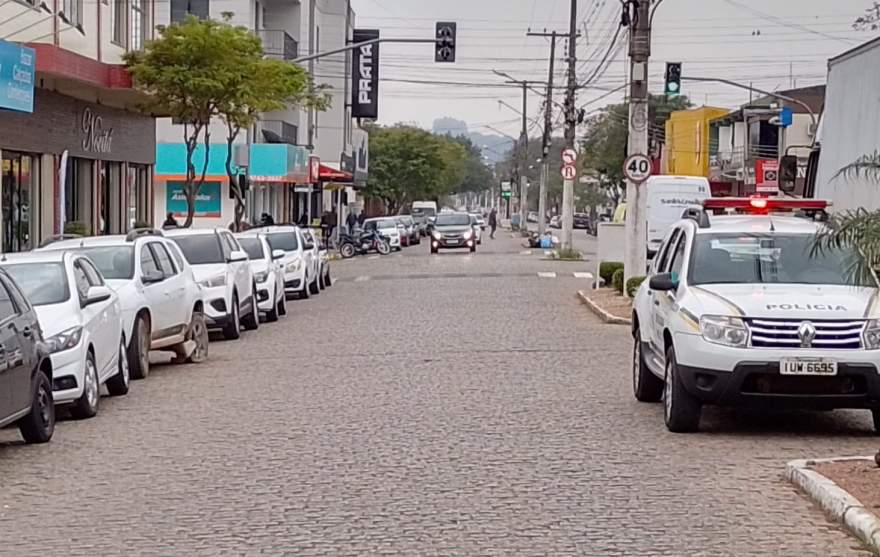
[(681, 410), (647, 387)]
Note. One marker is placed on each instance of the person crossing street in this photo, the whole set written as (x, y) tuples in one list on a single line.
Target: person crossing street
[(493, 223)]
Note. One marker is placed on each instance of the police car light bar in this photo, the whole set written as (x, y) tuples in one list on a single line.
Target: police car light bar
[(765, 203)]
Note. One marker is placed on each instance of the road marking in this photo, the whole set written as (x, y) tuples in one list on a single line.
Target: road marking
[(583, 275), (547, 275), (527, 252), (374, 257), (362, 278)]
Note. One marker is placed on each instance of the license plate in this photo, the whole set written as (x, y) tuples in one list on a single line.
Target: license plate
[(803, 366), (451, 242)]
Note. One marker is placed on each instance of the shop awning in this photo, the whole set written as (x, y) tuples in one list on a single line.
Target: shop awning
[(334, 176)]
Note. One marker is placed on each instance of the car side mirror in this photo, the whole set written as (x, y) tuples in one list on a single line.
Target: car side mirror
[(663, 282), (97, 294), (152, 277), (788, 168), (237, 256), (277, 254)]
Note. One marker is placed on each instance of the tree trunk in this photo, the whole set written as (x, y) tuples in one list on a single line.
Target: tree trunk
[(233, 178), (191, 141), (196, 186)]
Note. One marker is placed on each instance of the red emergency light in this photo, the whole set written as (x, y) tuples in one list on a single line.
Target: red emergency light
[(764, 204)]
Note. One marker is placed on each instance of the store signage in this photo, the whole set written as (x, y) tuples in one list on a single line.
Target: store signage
[(96, 138), (767, 176), (207, 205), (365, 75), (17, 65), (314, 169)]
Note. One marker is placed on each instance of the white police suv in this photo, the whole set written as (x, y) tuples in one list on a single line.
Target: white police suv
[(739, 309)]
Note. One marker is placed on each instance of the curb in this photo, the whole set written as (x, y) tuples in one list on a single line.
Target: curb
[(601, 313), (837, 503)]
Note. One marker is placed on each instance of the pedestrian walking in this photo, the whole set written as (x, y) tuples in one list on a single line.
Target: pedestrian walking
[(493, 223), (351, 222), (361, 219)]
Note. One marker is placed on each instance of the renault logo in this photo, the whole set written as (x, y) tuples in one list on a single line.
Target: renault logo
[(807, 332)]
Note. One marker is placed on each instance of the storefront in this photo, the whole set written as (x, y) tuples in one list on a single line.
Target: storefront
[(279, 178), (76, 165)]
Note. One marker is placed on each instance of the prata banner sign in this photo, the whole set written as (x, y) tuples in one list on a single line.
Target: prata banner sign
[(365, 75), (17, 66)]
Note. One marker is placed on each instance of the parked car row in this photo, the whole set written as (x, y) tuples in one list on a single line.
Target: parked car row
[(79, 313)]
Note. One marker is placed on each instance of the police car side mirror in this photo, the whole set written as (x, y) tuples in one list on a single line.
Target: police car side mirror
[(663, 282), (788, 169)]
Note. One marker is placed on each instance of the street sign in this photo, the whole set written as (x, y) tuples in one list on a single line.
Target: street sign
[(569, 156), (506, 186), (766, 176), (637, 168), (569, 172)]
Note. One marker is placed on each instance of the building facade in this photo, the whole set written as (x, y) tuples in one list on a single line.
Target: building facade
[(688, 136), (77, 152)]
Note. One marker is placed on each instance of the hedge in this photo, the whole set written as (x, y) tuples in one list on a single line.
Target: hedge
[(607, 269), (617, 280), (632, 285)]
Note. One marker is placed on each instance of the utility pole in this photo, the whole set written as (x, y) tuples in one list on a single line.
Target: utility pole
[(524, 163), (570, 124), (548, 125), (635, 259)]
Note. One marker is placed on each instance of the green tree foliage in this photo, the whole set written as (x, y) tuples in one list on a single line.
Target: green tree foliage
[(197, 70), (410, 164)]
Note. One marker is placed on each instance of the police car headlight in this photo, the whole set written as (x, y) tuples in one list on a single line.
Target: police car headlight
[(871, 336), (728, 331)]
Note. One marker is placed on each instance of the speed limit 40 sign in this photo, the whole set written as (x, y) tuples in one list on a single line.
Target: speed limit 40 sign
[(637, 168)]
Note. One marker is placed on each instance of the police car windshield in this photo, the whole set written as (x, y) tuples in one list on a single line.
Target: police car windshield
[(769, 259)]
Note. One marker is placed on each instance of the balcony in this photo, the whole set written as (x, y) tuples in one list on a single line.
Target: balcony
[(278, 44), (279, 131)]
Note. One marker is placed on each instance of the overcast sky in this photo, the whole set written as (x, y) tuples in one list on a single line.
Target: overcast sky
[(772, 43)]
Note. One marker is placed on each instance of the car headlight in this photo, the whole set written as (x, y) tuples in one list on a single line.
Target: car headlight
[(468, 234), (871, 336), (217, 280), (728, 331), (262, 276), (65, 340), (436, 235), (293, 266)]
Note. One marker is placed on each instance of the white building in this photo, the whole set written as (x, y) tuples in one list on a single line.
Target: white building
[(282, 141)]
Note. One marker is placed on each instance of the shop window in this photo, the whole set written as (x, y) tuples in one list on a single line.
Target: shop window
[(110, 198), (78, 192), (140, 24), (72, 12), (181, 8), (20, 195), (138, 206), (120, 23)]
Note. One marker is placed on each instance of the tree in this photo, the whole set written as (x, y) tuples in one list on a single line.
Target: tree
[(405, 163), (870, 20)]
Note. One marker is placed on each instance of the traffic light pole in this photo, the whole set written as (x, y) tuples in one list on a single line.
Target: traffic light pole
[(636, 250), (360, 44)]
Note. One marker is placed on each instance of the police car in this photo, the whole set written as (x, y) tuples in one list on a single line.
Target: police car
[(739, 309)]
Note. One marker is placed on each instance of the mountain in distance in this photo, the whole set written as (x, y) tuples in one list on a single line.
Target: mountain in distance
[(493, 145)]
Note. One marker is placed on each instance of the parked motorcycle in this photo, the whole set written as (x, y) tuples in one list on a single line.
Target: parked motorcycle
[(364, 243)]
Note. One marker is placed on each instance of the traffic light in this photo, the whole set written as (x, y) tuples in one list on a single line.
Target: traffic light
[(444, 50), (673, 79)]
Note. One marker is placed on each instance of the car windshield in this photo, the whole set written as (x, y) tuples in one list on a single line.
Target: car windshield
[(285, 241), (253, 247), (385, 223), (453, 219), (42, 283), (770, 259), (423, 212), (114, 262), (200, 249)]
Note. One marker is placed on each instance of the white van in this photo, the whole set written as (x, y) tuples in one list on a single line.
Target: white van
[(668, 197), (423, 213)]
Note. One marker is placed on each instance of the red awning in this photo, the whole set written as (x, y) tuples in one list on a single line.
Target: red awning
[(58, 62), (328, 174)]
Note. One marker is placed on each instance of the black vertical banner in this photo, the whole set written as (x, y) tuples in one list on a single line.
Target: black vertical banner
[(365, 75)]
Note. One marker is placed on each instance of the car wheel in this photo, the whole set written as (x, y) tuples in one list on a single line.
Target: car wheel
[(328, 282), (139, 349), (119, 383), (876, 414), (314, 288), (198, 333), (681, 410), (433, 251), (647, 387), (321, 284), (282, 305), (86, 406), (473, 249), (251, 321), (232, 330), (305, 293), (272, 314), (39, 424)]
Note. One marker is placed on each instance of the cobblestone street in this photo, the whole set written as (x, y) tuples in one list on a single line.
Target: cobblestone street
[(450, 405)]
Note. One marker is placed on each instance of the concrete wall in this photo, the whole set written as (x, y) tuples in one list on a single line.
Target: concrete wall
[(687, 141)]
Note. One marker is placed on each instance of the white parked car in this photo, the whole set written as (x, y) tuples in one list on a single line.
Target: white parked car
[(321, 257), (162, 303), (81, 318), (388, 227), (479, 225), (268, 273), (222, 269), (300, 278), (740, 310)]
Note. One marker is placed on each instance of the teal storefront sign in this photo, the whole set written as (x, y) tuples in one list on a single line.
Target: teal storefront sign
[(278, 162), (208, 202), (17, 66)]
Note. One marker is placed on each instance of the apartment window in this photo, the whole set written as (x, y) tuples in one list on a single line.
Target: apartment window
[(139, 15), (72, 11), (181, 8), (119, 21)]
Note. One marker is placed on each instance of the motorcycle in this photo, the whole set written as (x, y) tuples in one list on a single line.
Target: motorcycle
[(367, 241)]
